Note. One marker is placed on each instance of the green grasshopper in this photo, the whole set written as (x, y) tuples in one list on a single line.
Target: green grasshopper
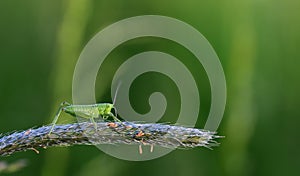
[(91, 111), (86, 111)]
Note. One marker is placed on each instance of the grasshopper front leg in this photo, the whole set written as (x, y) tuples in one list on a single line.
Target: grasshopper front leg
[(114, 117)]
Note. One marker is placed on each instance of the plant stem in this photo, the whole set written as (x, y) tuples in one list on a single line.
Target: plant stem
[(130, 133)]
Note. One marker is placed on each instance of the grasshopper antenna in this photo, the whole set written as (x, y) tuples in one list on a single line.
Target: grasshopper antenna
[(115, 97)]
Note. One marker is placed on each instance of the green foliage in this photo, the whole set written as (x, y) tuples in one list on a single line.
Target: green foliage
[(257, 43)]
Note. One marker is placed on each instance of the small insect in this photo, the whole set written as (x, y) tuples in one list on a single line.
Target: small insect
[(93, 111), (101, 110)]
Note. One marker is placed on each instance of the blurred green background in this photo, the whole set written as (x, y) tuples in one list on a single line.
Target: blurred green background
[(257, 42)]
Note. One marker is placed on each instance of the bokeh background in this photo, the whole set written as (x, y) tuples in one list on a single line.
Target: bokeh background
[(258, 45)]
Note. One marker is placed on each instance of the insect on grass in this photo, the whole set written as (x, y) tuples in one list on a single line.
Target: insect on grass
[(92, 111)]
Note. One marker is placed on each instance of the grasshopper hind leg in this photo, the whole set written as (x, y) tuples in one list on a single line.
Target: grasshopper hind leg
[(60, 109), (95, 124)]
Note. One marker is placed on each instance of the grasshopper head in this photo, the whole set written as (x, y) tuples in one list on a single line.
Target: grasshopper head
[(105, 109)]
